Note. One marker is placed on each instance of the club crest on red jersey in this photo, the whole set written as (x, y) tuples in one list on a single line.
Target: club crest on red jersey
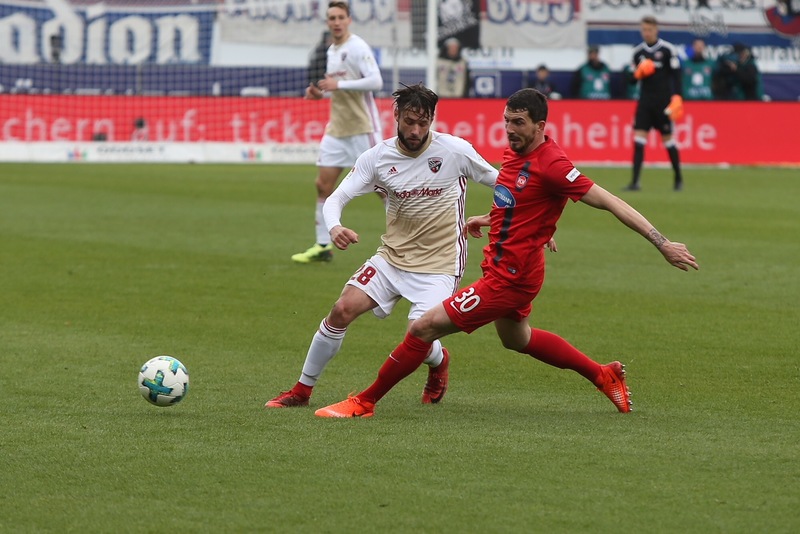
[(522, 180), (434, 164)]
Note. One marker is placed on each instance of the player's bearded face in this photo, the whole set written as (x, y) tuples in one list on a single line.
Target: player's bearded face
[(413, 129), (522, 133)]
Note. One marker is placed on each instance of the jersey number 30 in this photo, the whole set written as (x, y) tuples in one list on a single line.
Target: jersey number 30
[(466, 301)]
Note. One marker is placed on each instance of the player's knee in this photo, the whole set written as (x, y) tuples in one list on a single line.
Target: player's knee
[(326, 181), (416, 329), (324, 188), (423, 329), (342, 314)]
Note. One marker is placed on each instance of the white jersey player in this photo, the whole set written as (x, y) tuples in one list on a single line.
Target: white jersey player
[(353, 109), (422, 257), (351, 76)]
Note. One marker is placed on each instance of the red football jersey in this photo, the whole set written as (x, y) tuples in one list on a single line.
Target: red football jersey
[(529, 197)]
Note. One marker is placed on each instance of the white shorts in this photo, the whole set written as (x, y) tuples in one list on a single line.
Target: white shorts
[(386, 284), (343, 152)]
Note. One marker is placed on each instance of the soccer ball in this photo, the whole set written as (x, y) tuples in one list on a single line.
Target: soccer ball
[(163, 381)]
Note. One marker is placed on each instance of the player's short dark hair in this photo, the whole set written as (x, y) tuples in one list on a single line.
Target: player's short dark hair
[(649, 19), (340, 5), (416, 97), (530, 100)]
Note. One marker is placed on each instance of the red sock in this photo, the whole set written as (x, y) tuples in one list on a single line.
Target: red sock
[(556, 351), (302, 390), (403, 361)]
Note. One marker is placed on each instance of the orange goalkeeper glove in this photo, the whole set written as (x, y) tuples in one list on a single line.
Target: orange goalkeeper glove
[(675, 109), (645, 69)]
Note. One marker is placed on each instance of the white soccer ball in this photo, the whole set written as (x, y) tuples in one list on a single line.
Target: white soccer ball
[(163, 381)]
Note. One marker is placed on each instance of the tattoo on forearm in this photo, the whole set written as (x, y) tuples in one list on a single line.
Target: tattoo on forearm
[(656, 238)]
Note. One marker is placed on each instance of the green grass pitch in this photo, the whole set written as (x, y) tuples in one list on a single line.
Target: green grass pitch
[(105, 266)]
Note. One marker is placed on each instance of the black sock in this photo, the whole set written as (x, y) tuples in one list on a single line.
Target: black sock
[(674, 157), (638, 159)]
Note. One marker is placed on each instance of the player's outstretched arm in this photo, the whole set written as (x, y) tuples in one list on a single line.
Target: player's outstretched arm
[(676, 254)]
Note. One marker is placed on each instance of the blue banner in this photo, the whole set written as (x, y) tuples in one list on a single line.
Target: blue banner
[(55, 31)]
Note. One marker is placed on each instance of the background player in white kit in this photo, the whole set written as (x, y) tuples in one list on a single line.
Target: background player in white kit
[(424, 176), (354, 126)]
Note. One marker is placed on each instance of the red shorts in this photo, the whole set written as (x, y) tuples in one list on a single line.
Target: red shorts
[(485, 301)]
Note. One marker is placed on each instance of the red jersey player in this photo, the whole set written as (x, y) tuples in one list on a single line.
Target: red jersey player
[(535, 181)]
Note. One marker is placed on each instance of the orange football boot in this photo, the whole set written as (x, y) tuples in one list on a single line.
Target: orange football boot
[(612, 383), (351, 407)]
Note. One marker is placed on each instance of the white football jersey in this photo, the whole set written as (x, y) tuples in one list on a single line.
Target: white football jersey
[(426, 195), (352, 112)]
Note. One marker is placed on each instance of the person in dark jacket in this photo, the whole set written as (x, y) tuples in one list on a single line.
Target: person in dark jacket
[(542, 83), (737, 76)]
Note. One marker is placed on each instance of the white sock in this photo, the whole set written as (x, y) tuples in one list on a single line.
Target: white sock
[(323, 237), (324, 346), (435, 356)]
